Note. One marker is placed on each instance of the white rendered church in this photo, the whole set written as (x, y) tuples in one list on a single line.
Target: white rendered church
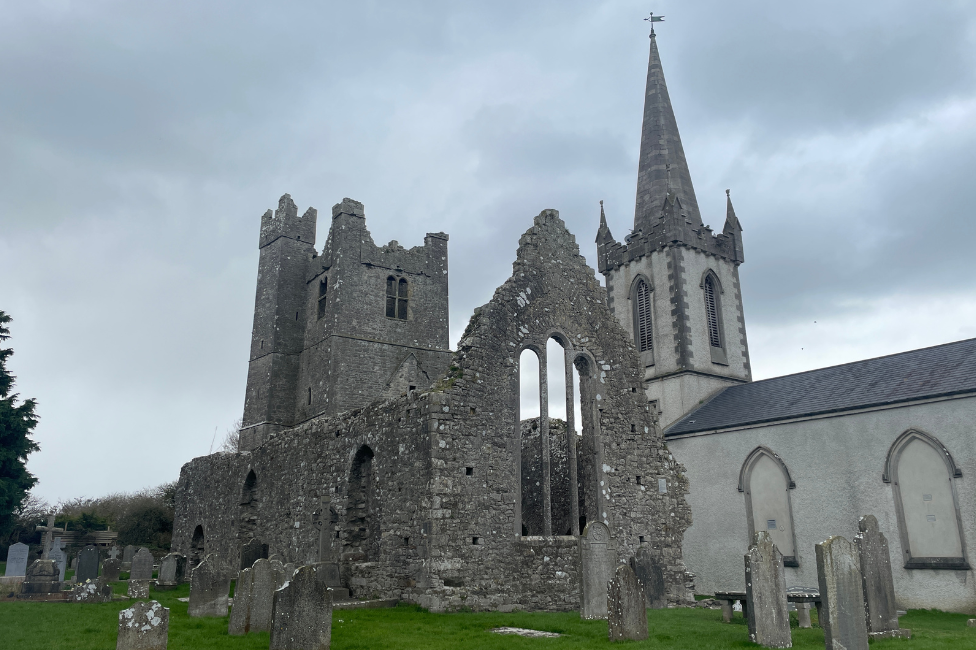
[(802, 456)]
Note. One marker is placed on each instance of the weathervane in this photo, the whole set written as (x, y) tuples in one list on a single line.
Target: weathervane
[(654, 19)]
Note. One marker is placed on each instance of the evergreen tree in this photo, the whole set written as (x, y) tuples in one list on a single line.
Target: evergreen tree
[(16, 423)]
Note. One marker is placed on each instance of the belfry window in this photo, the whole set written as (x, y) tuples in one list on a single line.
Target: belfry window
[(711, 314), (323, 294), (396, 298), (643, 332)]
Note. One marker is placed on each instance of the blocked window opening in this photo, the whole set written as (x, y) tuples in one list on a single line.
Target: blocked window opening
[(766, 482), (323, 294), (396, 298)]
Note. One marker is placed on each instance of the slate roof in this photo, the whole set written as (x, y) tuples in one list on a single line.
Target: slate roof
[(919, 374)]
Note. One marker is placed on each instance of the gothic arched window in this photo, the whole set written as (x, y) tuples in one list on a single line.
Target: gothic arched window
[(323, 294), (396, 298), (766, 482), (712, 292), (922, 473)]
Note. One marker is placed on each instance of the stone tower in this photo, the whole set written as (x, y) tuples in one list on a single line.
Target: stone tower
[(336, 331), (672, 283)]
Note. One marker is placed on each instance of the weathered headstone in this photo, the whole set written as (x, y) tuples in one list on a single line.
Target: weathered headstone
[(267, 577), (768, 610), (127, 554), (209, 588), (842, 599), (626, 606), (92, 591), (111, 569), (876, 581), (650, 574), (137, 588), (88, 561), (144, 626), (240, 613), (596, 569), (253, 551), (41, 578), (59, 556), (74, 563), (172, 569), (142, 565), (17, 559), (302, 613)]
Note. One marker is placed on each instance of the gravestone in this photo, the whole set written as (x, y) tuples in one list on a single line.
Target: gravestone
[(266, 578), (41, 578), (877, 584), (114, 553), (17, 559), (144, 626), (127, 554), (92, 591), (59, 556), (253, 551), (111, 569), (137, 588), (626, 606), (596, 569), (172, 569), (88, 561), (302, 613), (74, 563), (842, 599), (768, 612), (142, 565), (209, 589), (240, 613), (48, 531), (650, 574)]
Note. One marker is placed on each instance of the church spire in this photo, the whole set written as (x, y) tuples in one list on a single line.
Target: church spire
[(662, 168)]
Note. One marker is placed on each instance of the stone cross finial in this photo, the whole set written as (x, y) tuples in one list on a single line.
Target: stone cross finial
[(48, 531), (114, 553)]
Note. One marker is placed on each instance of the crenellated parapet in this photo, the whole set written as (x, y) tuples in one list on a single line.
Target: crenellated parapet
[(285, 222)]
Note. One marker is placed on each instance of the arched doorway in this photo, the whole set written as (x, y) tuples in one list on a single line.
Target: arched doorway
[(361, 539), (198, 549), (248, 516)]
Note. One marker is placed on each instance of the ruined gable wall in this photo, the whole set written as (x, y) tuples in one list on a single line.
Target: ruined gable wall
[(551, 290)]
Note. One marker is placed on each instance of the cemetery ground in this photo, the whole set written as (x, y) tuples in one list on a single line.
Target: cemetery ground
[(64, 626)]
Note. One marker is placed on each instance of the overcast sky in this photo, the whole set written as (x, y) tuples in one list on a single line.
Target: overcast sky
[(141, 142)]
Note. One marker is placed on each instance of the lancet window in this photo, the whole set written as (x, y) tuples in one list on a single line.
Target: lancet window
[(396, 298)]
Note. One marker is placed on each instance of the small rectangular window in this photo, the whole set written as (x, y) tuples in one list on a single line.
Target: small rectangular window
[(641, 539), (638, 480), (323, 295), (406, 541), (309, 395), (633, 428), (476, 541), (468, 471)]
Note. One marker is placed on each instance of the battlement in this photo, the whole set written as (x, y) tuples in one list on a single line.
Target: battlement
[(285, 222)]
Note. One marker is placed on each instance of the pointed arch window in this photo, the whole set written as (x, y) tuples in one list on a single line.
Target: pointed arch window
[(712, 294), (640, 297), (922, 473), (396, 298), (766, 482)]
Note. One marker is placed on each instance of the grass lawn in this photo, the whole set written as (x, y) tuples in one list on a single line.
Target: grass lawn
[(55, 626)]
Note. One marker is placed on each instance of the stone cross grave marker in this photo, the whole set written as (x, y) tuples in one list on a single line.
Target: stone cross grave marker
[(17, 559), (650, 574), (877, 584), (172, 571), (626, 606), (59, 556), (768, 611), (267, 576), (111, 569), (252, 551), (144, 626), (48, 531), (88, 562), (114, 553), (302, 613), (596, 569), (127, 554), (142, 565), (240, 613), (209, 589), (841, 595)]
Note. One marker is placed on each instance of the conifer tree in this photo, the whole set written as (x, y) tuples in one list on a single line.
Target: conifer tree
[(16, 423)]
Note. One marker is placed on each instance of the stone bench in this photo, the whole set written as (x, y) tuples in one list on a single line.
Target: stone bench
[(801, 599)]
